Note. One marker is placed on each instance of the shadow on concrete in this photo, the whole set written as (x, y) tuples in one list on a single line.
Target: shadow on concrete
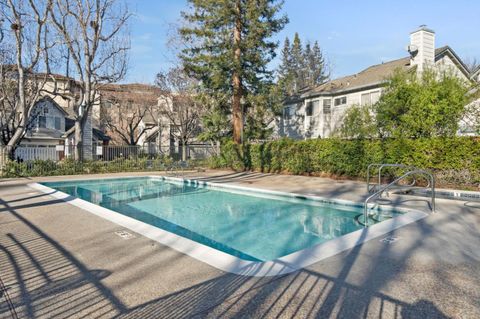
[(42, 278)]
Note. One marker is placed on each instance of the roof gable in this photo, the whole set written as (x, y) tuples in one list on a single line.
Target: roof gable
[(446, 50), (52, 102), (476, 72)]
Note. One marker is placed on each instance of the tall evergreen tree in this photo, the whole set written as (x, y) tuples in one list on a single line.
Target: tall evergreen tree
[(317, 67), (230, 47), (301, 66), (286, 70), (298, 64)]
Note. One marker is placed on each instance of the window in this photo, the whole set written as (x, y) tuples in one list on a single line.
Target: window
[(375, 97), (57, 123), (312, 108), (327, 106), (42, 122), (366, 99), (286, 113), (370, 98), (340, 101), (309, 110)]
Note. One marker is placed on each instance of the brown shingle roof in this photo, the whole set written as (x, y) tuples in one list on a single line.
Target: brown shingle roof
[(373, 75)]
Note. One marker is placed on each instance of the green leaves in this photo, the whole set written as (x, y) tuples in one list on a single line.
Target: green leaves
[(210, 54), (301, 66), (358, 122), (455, 160), (427, 106)]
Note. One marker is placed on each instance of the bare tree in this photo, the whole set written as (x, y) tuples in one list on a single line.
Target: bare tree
[(125, 111), (125, 120), (472, 63), (178, 105), (21, 84), (96, 36)]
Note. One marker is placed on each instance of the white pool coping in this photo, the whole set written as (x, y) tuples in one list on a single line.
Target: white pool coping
[(223, 261)]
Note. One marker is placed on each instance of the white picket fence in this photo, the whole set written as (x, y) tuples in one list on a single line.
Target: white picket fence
[(28, 153)]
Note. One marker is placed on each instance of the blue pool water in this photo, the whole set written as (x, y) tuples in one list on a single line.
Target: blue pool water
[(251, 226)]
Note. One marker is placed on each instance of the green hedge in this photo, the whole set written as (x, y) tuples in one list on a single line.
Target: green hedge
[(72, 167), (454, 160)]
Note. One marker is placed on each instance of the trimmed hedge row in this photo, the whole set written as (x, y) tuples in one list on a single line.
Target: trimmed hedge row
[(455, 161), (72, 167)]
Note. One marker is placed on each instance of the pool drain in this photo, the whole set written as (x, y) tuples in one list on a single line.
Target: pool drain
[(124, 234), (389, 240)]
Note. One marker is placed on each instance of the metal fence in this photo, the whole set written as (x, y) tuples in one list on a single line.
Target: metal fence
[(55, 159)]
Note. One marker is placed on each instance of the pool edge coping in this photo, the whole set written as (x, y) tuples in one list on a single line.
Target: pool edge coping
[(229, 263)]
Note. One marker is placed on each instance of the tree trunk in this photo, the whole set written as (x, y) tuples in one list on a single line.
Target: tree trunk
[(184, 151), (22, 106), (78, 140), (237, 110)]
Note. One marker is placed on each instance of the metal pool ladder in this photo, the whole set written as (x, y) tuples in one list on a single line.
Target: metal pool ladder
[(371, 188), (431, 184)]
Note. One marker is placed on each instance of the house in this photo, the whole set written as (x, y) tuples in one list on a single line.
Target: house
[(126, 111), (319, 111), (50, 133), (475, 76)]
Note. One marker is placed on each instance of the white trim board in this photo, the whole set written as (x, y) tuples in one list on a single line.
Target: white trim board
[(232, 264)]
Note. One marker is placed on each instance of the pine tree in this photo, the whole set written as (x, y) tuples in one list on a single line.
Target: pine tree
[(307, 65), (301, 67), (230, 48), (298, 64), (285, 70), (317, 67)]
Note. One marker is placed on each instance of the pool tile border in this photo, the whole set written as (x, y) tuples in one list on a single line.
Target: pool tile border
[(232, 264)]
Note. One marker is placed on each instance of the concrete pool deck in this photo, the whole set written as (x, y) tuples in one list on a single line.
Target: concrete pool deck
[(57, 261)]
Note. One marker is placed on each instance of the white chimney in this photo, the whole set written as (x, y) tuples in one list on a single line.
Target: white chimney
[(422, 48)]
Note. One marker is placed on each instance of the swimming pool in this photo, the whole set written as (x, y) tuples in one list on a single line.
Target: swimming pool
[(248, 224)]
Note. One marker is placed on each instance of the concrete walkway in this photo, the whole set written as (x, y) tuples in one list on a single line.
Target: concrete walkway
[(58, 261)]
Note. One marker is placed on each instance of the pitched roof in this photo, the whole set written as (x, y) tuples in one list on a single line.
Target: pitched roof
[(99, 134), (476, 72), (134, 92), (371, 76), (374, 75), (47, 98), (440, 52)]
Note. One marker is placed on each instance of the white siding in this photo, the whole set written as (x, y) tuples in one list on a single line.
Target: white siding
[(446, 64), (324, 125)]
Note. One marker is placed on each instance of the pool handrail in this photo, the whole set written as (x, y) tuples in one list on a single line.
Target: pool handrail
[(431, 184), (381, 166)]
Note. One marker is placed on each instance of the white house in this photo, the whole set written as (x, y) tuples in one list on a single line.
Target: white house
[(318, 111), (51, 133), (476, 74)]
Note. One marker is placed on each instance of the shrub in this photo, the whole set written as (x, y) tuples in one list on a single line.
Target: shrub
[(455, 160), (72, 167)]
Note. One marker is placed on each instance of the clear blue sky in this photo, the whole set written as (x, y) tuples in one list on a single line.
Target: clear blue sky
[(353, 34)]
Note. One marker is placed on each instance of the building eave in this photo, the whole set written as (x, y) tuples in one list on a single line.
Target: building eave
[(447, 49), (345, 91)]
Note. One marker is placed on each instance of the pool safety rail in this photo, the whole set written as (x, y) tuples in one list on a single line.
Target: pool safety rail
[(372, 187), (416, 172)]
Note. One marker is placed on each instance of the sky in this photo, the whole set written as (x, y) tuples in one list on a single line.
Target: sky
[(352, 34)]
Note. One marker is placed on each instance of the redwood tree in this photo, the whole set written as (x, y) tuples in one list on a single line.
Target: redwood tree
[(229, 48)]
